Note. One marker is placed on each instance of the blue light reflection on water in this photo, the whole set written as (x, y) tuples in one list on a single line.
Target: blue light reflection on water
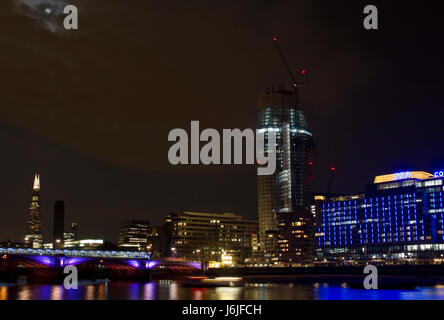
[(168, 290), (340, 293)]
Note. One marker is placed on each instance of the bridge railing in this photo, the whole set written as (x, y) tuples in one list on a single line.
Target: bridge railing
[(75, 253)]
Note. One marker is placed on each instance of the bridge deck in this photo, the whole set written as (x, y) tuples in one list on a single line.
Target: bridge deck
[(76, 253)]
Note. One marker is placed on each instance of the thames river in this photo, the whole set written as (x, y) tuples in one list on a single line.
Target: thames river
[(170, 290)]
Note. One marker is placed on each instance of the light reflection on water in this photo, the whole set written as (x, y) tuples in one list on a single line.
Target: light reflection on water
[(169, 290)]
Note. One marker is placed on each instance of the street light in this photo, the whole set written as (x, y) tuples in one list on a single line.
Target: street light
[(57, 244)]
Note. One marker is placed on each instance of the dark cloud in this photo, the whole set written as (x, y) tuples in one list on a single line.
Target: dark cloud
[(48, 13)]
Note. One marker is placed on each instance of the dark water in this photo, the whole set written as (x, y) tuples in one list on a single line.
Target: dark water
[(169, 290)]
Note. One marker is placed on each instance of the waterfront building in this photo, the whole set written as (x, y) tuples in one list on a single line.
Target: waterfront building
[(58, 224), (284, 198), (399, 218), (255, 246), (34, 237), (84, 244), (11, 244), (159, 241), (270, 249), (134, 235), (205, 237), (263, 253), (73, 233)]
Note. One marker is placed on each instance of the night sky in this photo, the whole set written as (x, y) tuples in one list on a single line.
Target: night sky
[(91, 109)]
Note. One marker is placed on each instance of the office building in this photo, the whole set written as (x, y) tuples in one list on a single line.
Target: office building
[(134, 235), (73, 233), (399, 218), (210, 237), (84, 244)]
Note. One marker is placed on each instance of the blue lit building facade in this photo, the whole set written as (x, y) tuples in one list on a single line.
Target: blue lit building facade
[(399, 218)]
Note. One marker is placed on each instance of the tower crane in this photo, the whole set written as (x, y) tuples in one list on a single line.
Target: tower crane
[(284, 60)]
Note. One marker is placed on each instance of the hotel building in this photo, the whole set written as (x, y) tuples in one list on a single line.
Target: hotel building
[(399, 218)]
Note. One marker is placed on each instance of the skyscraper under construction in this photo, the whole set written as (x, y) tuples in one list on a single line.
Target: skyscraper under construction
[(34, 236), (284, 198)]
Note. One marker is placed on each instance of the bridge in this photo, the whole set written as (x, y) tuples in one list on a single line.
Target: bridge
[(75, 253), (121, 264)]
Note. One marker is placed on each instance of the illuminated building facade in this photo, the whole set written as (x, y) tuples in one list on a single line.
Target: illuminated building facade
[(134, 234), (284, 198), (84, 244), (34, 237), (209, 237), (400, 217), (73, 233)]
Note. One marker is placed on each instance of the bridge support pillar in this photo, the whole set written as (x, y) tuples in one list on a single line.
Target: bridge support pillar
[(58, 265), (145, 275), (90, 271), (8, 270)]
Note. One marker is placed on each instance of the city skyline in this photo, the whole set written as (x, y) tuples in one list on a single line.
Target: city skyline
[(240, 158), (399, 218), (105, 155), (59, 226)]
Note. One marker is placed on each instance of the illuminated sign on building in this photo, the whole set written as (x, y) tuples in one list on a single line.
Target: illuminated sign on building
[(439, 174), (418, 175), (403, 175)]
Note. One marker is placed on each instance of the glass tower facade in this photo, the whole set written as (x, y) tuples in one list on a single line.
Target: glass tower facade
[(34, 236), (400, 217), (284, 198)]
